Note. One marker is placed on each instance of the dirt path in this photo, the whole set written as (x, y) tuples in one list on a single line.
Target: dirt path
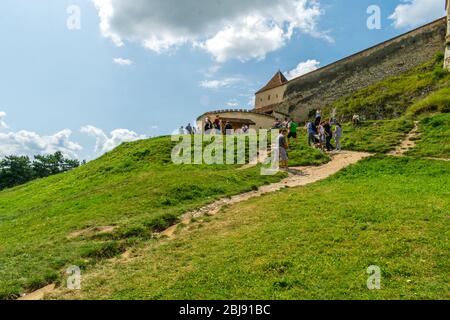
[(299, 176), (39, 294), (408, 143)]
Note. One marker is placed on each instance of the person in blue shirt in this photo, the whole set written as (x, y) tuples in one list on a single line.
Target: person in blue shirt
[(312, 131)]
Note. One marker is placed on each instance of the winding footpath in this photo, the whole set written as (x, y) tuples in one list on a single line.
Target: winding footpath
[(298, 176)]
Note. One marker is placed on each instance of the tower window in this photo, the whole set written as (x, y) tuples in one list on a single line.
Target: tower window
[(268, 98)]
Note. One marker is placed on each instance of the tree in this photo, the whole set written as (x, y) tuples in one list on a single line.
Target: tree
[(47, 165), (15, 170)]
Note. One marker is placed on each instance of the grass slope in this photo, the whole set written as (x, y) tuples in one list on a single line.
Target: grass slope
[(434, 139), (134, 188), (392, 97), (376, 136), (314, 242)]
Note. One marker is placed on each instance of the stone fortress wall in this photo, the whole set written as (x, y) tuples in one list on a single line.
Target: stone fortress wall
[(398, 55)]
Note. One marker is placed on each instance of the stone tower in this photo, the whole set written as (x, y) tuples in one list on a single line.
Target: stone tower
[(447, 38)]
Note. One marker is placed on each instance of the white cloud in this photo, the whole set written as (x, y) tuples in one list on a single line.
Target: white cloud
[(211, 71), (412, 13), (303, 68), (104, 143), (217, 84), (233, 104), (30, 143), (232, 29), (3, 124), (123, 62)]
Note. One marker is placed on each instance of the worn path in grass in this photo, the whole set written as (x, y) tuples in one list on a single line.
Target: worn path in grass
[(408, 143), (298, 176)]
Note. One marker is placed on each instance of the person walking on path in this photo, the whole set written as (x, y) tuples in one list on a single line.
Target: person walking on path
[(283, 145), (293, 126), (338, 136), (328, 136), (312, 131), (321, 136)]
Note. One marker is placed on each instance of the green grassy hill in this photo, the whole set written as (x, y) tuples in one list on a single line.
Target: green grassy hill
[(313, 242), (309, 242), (133, 192)]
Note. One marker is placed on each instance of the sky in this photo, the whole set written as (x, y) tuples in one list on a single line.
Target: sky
[(83, 76)]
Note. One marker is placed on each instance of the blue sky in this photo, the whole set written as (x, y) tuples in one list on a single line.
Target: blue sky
[(55, 81)]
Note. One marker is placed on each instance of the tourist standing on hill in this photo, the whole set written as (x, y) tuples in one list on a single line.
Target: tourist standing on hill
[(312, 131), (277, 124), (293, 126), (321, 136), (328, 135), (228, 128), (318, 116), (338, 136), (283, 145), (355, 120), (218, 125), (208, 125), (189, 129)]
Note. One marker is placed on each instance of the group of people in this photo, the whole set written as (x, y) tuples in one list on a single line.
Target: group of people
[(188, 130), (290, 125), (320, 133), (221, 126)]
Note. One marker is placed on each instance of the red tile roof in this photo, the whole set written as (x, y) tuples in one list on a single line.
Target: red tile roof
[(277, 80)]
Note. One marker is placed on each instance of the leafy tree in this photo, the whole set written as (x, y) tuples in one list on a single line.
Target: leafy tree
[(15, 170)]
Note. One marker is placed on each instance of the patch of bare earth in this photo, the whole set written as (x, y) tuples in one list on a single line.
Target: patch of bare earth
[(93, 231), (39, 294)]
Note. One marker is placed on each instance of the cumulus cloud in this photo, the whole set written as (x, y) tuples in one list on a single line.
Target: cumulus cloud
[(217, 84), (412, 13), (303, 68), (104, 143), (30, 143), (3, 124), (123, 62), (226, 29)]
